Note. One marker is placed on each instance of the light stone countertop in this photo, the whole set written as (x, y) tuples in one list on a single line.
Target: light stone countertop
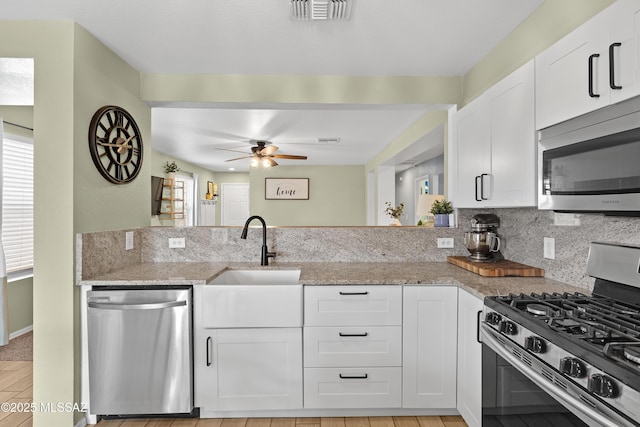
[(335, 273)]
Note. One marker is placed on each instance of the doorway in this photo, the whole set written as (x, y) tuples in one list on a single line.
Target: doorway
[(234, 203)]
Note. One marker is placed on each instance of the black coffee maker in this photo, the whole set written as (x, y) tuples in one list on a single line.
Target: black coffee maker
[(483, 241)]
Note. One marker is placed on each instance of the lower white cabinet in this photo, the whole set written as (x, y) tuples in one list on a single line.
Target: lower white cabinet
[(430, 329), (469, 359), (248, 369), (352, 387), (352, 347)]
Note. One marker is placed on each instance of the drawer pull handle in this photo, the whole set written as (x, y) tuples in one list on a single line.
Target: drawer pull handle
[(354, 377), (354, 293), (364, 334)]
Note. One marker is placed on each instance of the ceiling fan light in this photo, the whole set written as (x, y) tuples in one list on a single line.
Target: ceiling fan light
[(254, 162), (266, 163)]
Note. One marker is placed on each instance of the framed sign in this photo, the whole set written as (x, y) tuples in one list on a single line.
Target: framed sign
[(286, 188)]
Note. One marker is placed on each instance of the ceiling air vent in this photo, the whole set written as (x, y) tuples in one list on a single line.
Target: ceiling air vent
[(321, 9), (328, 140)]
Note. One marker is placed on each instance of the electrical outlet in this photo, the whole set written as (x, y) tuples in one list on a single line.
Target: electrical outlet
[(566, 219), (128, 240), (549, 248), (445, 242), (176, 242)]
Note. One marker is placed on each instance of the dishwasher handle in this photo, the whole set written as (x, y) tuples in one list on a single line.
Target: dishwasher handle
[(137, 306)]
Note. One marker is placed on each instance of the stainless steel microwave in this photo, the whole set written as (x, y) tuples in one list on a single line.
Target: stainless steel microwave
[(592, 163)]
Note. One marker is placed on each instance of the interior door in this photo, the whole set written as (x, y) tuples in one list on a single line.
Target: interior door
[(234, 199)]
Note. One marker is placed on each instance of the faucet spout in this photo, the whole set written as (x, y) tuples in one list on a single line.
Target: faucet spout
[(265, 254)]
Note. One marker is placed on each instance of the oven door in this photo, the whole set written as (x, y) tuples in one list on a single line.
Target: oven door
[(520, 390)]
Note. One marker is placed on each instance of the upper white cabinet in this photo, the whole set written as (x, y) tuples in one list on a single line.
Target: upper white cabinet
[(469, 359), (496, 145), (595, 65), (429, 346)]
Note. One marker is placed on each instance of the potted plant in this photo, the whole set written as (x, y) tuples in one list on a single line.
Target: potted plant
[(170, 170), (394, 213), (441, 210)]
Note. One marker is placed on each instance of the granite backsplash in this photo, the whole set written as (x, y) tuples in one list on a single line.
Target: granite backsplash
[(522, 229)]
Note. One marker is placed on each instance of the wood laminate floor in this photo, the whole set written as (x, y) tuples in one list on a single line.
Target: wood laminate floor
[(449, 421), (16, 381)]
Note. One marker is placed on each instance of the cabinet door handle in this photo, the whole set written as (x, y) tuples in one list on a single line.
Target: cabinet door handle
[(364, 334), (612, 66), (476, 184), (209, 341), (478, 326), (482, 186), (354, 377), (354, 293), (591, 58)]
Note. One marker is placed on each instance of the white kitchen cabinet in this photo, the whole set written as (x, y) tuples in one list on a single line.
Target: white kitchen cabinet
[(352, 305), (249, 369), (429, 346), (574, 76), (469, 359), (352, 346), (244, 362), (496, 145), (625, 29)]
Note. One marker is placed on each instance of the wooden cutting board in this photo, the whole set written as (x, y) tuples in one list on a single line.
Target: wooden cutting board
[(496, 269)]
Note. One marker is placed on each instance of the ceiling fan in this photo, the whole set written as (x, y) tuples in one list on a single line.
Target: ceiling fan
[(263, 154)]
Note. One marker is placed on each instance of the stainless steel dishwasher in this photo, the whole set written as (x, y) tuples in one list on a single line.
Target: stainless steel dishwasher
[(140, 349)]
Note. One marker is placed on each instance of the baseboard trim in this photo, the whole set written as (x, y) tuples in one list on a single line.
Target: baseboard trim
[(19, 332)]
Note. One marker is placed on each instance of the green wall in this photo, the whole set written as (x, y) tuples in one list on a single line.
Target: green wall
[(336, 196), (546, 25), (20, 304)]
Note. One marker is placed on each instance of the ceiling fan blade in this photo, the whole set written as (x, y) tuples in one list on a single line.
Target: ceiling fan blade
[(289, 156), (239, 158), (271, 161), (269, 149)]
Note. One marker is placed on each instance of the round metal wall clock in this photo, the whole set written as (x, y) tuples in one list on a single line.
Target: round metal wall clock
[(115, 144)]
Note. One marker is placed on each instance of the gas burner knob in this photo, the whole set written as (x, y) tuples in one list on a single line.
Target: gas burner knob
[(535, 344), (493, 318), (603, 386), (507, 327), (573, 367)]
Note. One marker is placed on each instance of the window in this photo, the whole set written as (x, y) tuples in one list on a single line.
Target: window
[(17, 205)]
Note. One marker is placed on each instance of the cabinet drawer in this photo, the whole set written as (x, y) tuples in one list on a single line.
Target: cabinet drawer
[(352, 305), (352, 387), (352, 346)]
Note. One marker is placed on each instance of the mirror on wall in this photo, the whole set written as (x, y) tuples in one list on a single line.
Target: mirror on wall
[(337, 141)]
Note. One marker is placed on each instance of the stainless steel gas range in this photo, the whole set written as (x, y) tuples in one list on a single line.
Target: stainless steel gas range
[(567, 359)]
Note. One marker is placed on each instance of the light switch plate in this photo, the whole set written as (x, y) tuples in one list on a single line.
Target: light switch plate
[(176, 242), (549, 248), (128, 240)]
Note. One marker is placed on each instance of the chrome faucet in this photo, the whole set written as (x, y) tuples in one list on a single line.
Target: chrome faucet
[(264, 259)]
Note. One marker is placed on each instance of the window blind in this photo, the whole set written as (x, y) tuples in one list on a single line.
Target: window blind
[(17, 204)]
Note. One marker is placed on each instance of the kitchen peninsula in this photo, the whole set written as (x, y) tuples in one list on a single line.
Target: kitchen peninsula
[(425, 319)]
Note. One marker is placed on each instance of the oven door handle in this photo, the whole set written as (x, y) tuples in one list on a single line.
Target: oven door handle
[(569, 400)]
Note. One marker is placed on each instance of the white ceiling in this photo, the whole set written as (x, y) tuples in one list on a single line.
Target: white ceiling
[(390, 37)]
